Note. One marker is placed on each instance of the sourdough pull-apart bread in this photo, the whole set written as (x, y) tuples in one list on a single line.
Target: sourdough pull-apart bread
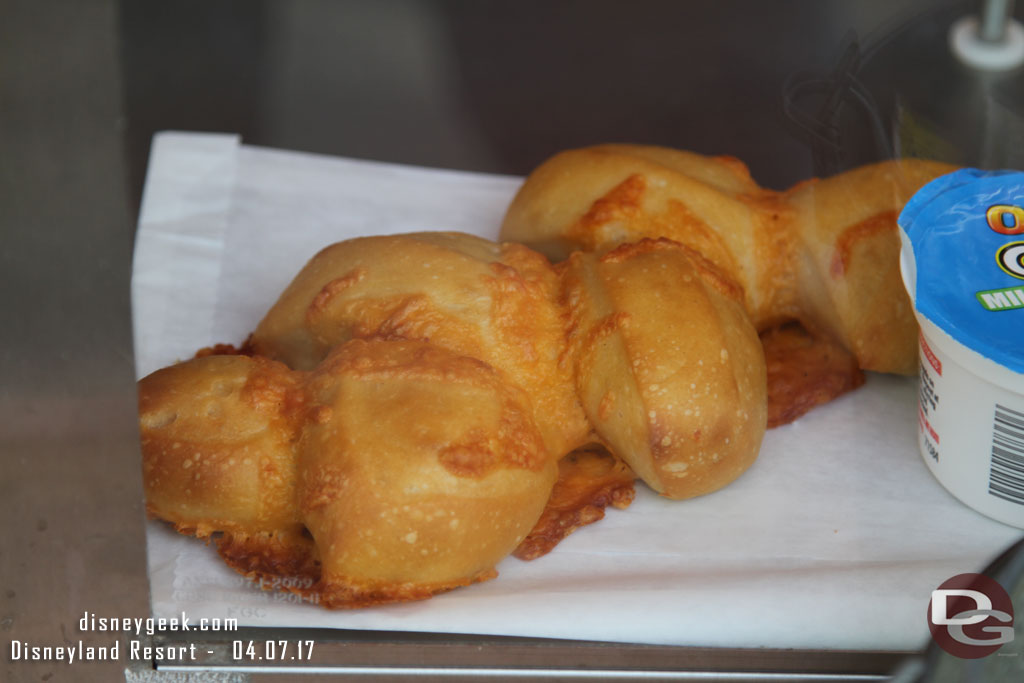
[(825, 253), (414, 408), (391, 471), (397, 428)]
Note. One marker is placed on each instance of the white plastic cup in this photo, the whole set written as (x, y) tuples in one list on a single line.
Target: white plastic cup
[(970, 419)]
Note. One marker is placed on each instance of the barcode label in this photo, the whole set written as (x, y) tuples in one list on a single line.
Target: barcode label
[(1006, 477)]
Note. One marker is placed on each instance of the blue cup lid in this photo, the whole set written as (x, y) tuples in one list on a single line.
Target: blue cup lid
[(966, 230)]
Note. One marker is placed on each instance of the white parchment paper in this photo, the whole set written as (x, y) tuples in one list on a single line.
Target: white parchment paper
[(834, 539)]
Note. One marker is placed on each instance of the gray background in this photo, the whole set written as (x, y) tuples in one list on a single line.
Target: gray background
[(487, 86)]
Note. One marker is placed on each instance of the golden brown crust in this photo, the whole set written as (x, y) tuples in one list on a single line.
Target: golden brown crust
[(850, 284), (377, 487), (272, 557), (479, 299), (708, 272), (668, 367), (596, 198), (824, 252), (589, 480), (414, 469), (804, 371), (225, 350), (217, 442)]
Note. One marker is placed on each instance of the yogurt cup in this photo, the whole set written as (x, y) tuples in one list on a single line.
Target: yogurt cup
[(962, 261)]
